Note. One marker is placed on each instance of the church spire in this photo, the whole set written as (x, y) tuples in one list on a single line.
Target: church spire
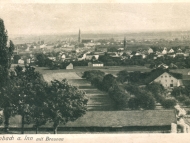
[(79, 37), (124, 43)]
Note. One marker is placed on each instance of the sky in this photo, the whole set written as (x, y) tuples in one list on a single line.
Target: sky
[(60, 18)]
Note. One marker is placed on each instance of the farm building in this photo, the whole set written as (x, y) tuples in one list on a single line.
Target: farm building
[(70, 66), (168, 80), (95, 64)]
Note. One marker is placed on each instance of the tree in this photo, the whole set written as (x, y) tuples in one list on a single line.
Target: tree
[(97, 82), (187, 102), (178, 91), (157, 91), (41, 60), (65, 103), (133, 103), (169, 103), (108, 81), (8, 100), (6, 53), (38, 116), (146, 100), (30, 94), (90, 75), (143, 99), (117, 93), (155, 88), (123, 76), (16, 58)]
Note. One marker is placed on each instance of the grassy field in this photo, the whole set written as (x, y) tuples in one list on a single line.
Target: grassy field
[(182, 71), (107, 69), (97, 100)]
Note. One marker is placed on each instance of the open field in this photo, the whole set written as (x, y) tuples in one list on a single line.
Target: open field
[(107, 69), (97, 100), (182, 71)]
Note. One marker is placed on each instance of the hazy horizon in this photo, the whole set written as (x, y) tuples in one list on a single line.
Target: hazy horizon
[(56, 19)]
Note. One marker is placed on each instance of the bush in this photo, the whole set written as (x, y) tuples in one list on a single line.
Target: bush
[(108, 81), (147, 101), (159, 98), (188, 112), (133, 103), (168, 103), (181, 98), (143, 99), (1, 119), (187, 102), (119, 96), (91, 74)]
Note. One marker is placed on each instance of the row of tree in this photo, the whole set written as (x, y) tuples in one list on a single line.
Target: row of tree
[(129, 95)]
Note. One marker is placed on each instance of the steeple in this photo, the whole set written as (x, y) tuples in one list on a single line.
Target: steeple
[(124, 42), (79, 37)]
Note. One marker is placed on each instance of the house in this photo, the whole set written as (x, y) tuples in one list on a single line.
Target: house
[(52, 58), (95, 64), (87, 41), (113, 54), (150, 51), (28, 61), (99, 53), (63, 56), (164, 51), (128, 52), (163, 66), (42, 46), (70, 66), (179, 50), (21, 61), (120, 49), (168, 80), (171, 51), (173, 66), (172, 55), (90, 56), (143, 56)]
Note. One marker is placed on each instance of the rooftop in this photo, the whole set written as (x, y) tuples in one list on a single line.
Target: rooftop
[(125, 118)]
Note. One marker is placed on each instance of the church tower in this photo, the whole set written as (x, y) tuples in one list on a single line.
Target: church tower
[(124, 42), (79, 37)]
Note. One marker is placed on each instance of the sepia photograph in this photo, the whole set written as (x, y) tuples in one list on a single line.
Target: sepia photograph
[(94, 68)]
